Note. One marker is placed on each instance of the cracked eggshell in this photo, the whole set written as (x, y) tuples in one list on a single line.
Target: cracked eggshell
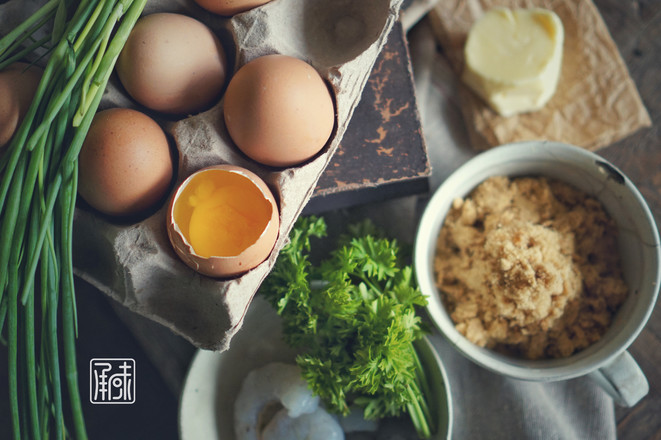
[(231, 265)]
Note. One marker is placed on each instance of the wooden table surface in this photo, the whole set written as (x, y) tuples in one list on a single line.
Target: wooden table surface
[(636, 29), (106, 331)]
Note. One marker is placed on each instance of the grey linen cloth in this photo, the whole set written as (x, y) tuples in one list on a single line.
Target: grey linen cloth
[(487, 405)]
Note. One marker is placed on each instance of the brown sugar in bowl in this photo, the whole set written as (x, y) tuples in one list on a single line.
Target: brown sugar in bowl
[(637, 244)]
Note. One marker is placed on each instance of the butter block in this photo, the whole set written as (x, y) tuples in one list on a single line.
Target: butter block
[(513, 58)]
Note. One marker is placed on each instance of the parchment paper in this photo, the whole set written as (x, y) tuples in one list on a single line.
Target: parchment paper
[(596, 102)]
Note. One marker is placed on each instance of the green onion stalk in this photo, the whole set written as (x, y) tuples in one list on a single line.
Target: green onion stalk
[(38, 186)]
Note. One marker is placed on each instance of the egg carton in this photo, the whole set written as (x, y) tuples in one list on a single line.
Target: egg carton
[(135, 263)]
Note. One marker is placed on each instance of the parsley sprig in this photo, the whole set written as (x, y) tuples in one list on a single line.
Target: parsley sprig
[(353, 319)]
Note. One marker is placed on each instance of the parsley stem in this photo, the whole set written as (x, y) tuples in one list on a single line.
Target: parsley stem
[(417, 414), (369, 283), (421, 375), (318, 284)]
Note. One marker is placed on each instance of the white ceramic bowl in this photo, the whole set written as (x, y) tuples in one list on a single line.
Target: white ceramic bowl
[(638, 246), (214, 379)]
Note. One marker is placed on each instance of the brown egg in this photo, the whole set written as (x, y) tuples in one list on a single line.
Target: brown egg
[(229, 7), (223, 221), (173, 63), (17, 88), (125, 164), (278, 110)]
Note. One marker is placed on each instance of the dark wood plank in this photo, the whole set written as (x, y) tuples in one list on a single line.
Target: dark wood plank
[(636, 29), (383, 153), (644, 421)]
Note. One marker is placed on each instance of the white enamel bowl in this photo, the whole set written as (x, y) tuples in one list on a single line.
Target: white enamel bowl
[(214, 379), (638, 242)]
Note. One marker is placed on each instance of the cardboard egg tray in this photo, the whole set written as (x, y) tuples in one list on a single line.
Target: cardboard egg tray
[(135, 263)]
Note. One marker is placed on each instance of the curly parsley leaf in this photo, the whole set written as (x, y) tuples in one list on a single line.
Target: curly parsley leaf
[(353, 317)]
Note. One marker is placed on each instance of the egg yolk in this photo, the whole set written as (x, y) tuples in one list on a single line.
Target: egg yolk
[(221, 213)]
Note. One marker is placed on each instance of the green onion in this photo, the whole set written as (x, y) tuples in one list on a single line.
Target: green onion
[(25, 30), (38, 186)]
